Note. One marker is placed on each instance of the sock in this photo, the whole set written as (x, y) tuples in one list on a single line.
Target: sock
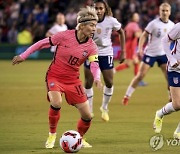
[(178, 128), (107, 96), (167, 109), (130, 91), (54, 115), (136, 68), (121, 67), (90, 93), (83, 126)]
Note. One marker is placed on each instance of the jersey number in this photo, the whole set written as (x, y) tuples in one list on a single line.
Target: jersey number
[(73, 60)]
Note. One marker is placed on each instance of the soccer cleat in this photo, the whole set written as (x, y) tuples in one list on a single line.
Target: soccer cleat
[(142, 84), (85, 144), (50, 141), (177, 135), (125, 100), (104, 114), (157, 125)]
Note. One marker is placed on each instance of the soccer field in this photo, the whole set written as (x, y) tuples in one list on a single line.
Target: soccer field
[(24, 114)]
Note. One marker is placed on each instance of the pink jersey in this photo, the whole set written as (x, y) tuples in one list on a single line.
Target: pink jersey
[(130, 29), (70, 54)]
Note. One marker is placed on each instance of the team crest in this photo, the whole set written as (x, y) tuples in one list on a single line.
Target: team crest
[(165, 30), (85, 53), (52, 84), (98, 30), (175, 80)]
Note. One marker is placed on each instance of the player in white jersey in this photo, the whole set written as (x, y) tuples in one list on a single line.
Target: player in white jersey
[(58, 26), (154, 51), (173, 69), (102, 38)]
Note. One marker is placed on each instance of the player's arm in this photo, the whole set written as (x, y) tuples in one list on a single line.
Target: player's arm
[(95, 70), (142, 40), (45, 43), (48, 34), (122, 44), (166, 41)]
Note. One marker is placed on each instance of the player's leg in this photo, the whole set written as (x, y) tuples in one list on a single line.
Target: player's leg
[(85, 121), (173, 80), (135, 81), (167, 109), (54, 115), (107, 93), (88, 84)]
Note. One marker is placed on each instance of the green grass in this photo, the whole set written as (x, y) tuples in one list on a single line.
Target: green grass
[(24, 118)]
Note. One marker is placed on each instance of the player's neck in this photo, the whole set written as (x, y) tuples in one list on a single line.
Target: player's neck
[(165, 20), (81, 37)]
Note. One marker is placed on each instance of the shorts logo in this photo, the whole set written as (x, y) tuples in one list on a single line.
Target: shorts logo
[(52, 84), (147, 59), (175, 80)]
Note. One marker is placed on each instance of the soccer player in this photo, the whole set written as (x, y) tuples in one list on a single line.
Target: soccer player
[(154, 51), (102, 38), (58, 26), (73, 48), (133, 32), (173, 69)]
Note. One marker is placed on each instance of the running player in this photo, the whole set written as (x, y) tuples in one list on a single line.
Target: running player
[(154, 51), (173, 69), (73, 48), (102, 38)]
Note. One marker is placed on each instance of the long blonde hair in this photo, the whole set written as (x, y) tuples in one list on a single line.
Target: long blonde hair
[(86, 15)]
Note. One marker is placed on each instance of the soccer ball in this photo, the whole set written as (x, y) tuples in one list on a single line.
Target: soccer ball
[(70, 141)]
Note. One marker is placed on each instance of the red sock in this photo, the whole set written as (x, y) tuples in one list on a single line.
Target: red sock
[(54, 115), (121, 67), (83, 126), (136, 68)]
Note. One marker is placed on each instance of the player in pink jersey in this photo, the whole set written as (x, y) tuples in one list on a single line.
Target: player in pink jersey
[(133, 32), (73, 48)]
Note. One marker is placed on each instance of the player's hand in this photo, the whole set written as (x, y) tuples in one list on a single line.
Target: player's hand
[(122, 57), (17, 60), (98, 84)]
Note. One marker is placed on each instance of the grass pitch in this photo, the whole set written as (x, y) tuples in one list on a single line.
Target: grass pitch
[(24, 114)]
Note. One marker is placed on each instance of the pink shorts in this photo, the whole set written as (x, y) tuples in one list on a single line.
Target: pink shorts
[(74, 93)]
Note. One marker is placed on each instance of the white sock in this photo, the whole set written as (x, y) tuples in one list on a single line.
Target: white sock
[(130, 91), (90, 93), (107, 94), (167, 109), (178, 128)]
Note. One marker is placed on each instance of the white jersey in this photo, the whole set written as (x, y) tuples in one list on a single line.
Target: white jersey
[(156, 29), (55, 29), (102, 36), (173, 55)]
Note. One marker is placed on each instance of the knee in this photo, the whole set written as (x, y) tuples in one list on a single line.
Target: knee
[(56, 103)]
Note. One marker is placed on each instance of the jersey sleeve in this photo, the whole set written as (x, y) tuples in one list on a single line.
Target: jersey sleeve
[(149, 28), (174, 34), (116, 24), (57, 38)]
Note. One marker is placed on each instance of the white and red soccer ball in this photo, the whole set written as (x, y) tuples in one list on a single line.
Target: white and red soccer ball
[(71, 141)]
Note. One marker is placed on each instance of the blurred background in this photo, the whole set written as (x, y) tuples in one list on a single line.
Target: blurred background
[(35, 17)]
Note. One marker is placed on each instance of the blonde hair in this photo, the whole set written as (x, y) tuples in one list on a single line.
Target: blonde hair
[(165, 4), (86, 15)]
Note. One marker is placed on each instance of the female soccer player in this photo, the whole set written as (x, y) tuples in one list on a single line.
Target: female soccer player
[(73, 48), (154, 51), (102, 38), (173, 69)]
